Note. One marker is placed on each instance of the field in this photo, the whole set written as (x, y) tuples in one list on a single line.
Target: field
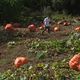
[(49, 54)]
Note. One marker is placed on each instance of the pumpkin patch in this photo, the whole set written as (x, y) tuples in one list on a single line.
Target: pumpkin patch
[(48, 53)]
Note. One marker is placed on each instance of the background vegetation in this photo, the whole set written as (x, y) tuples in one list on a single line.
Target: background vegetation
[(19, 10)]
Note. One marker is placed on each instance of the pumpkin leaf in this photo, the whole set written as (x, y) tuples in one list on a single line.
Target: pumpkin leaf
[(66, 78), (42, 78), (40, 55), (23, 78)]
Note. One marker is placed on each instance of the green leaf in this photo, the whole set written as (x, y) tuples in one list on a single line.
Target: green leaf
[(40, 55), (23, 78)]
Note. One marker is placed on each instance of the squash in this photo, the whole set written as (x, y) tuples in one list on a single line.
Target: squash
[(42, 27), (19, 61), (66, 23), (32, 28), (77, 28), (74, 63), (9, 27), (56, 29)]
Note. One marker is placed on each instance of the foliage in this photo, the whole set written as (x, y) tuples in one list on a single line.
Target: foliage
[(74, 41), (41, 71), (17, 10)]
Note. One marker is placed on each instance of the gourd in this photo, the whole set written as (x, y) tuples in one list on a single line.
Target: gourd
[(74, 63), (19, 61)]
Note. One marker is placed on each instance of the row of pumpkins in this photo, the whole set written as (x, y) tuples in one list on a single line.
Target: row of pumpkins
[(32, 27), (74, 62)]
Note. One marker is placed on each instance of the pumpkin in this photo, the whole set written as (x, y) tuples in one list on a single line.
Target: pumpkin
[(9, 27), (65, 23), (77, 28), (32, 28), (19, 61), (74, 63), (56, 28), (41, 26)]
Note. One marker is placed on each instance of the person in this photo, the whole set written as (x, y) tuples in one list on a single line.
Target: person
[(46, 23)]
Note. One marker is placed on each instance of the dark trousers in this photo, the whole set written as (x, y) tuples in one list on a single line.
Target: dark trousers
[(46, 28)]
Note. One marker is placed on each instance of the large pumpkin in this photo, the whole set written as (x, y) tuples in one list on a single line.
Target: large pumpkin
[(32, 28), (77, 28), (74, 63), (9, 27), (19, 61)]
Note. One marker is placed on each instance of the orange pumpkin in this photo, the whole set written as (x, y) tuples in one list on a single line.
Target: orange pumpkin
[(19, 61), (9, 27), (66, 23), (32, 28), (56, 29), (41, 26), (74, 63), (77, 28)]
